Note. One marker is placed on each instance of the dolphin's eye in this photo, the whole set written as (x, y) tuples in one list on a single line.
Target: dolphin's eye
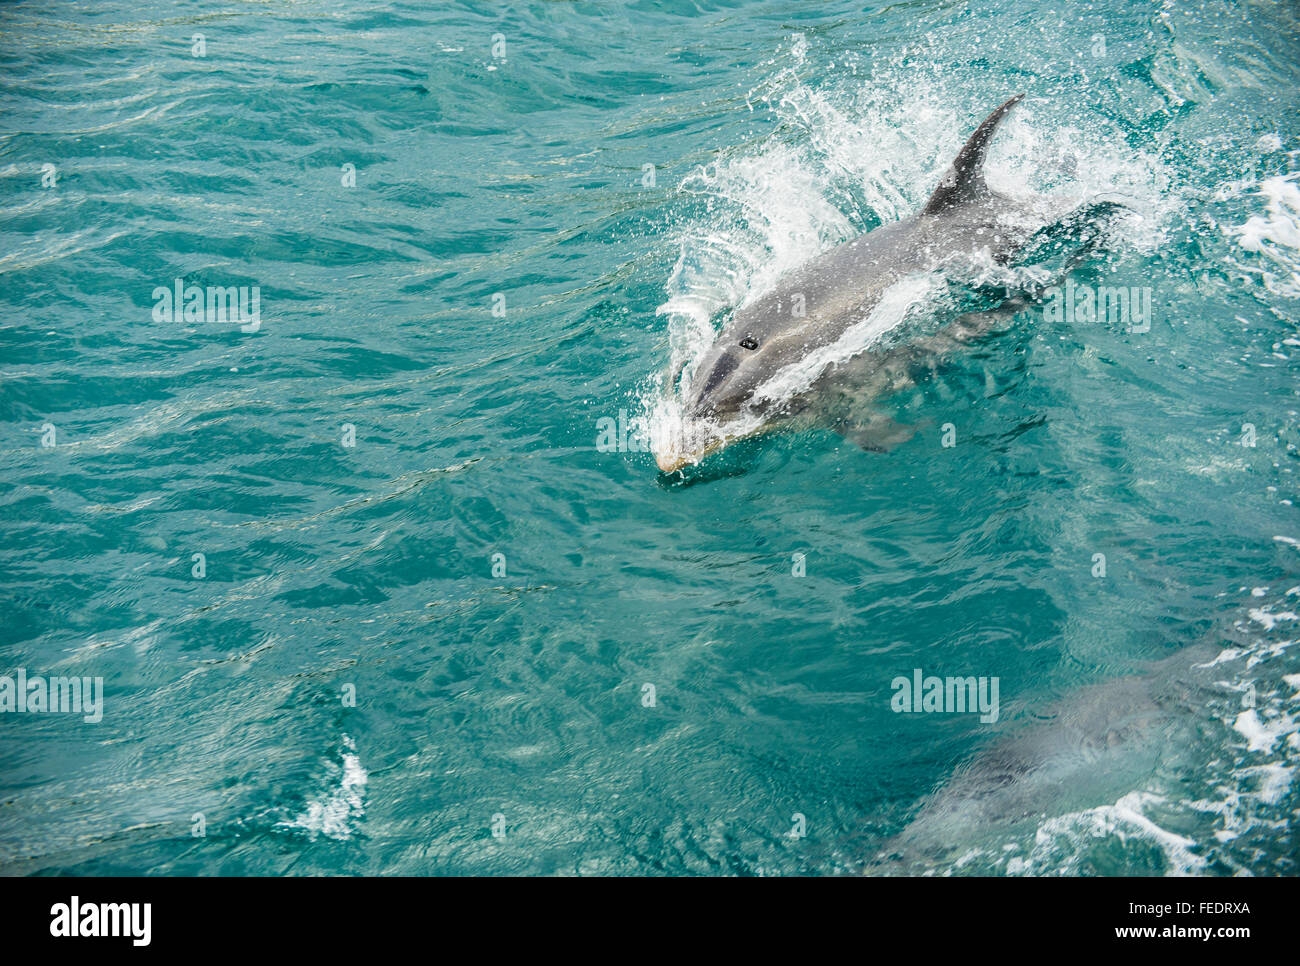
[(748, 343)]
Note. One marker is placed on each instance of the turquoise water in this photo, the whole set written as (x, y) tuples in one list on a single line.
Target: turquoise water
[(496, 589)]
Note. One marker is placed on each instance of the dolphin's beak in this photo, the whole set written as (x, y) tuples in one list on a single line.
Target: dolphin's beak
[(673, 461), (676, 455), (694, 439), (675, 458)]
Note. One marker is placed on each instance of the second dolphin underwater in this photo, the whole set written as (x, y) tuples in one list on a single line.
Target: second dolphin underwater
[(727, 396)]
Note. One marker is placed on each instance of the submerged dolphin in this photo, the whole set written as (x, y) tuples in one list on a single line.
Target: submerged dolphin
[(1105, 740), (817, 303)]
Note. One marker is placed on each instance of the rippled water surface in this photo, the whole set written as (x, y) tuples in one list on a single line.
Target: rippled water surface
[(368, 593)]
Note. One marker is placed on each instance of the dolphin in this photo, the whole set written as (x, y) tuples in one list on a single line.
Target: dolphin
[(812, 307), (1087, 751)]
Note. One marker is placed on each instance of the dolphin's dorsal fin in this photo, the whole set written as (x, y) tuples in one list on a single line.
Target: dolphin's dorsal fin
[(965, 179)]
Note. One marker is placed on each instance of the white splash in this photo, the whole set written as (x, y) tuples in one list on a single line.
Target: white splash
[(335, 815), (1058, 841), (1266, 617), (1275, 236), (1261, 734)]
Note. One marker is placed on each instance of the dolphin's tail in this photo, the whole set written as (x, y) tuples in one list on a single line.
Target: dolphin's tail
[(965, 179)]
